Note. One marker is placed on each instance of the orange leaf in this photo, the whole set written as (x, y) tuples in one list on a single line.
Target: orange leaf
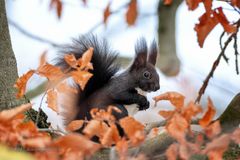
[(213, 129), (132, 13), (86, 60), (133, 129), (177, 127), (111, 136), (172, 151), (167, 2), (81, 77), (235, 3), (166, 114), (52, 100), (208, 116), (236, 136), (10, 114), (58, 5), (37, 142), (223, 20), (66, 88), (122, 149), (193, 4), (205, 26), (190, 111), (75, 125), (208, 6), (217, 147), (175, 98), (71, 60), (51, 72), (76, 142), (95, 128), (106, 13), (22, 82)]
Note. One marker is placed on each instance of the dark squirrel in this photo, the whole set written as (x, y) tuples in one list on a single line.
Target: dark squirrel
[(107, 87)]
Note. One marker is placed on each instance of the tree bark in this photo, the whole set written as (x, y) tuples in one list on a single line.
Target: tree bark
[(8, 65), (168, 61)]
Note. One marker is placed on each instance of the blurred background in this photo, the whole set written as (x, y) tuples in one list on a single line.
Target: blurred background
[(182, 64)]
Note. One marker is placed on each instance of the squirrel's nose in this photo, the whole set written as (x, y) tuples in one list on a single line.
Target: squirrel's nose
[(157, 87)]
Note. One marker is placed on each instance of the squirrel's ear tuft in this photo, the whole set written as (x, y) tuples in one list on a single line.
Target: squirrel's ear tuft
[(152, 57), (141, 54)]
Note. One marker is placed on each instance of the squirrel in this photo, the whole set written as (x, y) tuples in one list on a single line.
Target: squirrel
[(109, 87)]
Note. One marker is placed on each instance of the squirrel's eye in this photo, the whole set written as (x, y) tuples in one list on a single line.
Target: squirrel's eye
[(146, 75)]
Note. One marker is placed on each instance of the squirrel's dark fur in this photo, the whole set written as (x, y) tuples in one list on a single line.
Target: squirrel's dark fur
[(108, 88)]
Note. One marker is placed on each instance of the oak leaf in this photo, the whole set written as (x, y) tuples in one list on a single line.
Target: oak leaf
[(70, 60), (204, 27), (111, 136), (213, 129), (95, 128), (166, 114), (218, 13), (172, 151), (51, 72)]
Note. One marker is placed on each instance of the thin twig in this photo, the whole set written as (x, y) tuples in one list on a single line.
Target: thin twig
[(236, 54), (35, 37), (52, 131), (40, 109), (220, 42), (215, 64)]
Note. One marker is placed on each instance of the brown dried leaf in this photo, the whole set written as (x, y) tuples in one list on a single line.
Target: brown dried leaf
[(205, 26), (213, 129), (107, 13), (172, 151), (10, 114), (111, 136), (208, 116), (191, 111), (167, 2), (52, 100), (81, 77), (175, 98), (37, 142), (76, 142), (75, 125), (66, 88), (217, 147), (22, 82), (236, 136), (51, 72), (177, 127), (166, 114), (133, 129), (193, 4), (218, 13), (86, 60), (70, 60), (235, 3), (57, 4), (95, 128), (122, 149), (132, 13)]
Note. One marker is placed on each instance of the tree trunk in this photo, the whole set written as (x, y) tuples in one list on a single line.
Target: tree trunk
[(8, 65), (168, 61)]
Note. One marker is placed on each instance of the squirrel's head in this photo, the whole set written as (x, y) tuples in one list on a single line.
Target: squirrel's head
[(143, 66)]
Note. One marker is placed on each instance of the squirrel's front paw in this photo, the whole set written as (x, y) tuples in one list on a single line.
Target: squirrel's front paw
[(144, 105)]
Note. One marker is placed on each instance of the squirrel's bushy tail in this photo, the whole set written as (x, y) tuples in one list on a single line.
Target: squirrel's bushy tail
[(103, 60)]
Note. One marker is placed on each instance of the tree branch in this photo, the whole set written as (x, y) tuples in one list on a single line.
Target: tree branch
[(30, 35), (215, 64)]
